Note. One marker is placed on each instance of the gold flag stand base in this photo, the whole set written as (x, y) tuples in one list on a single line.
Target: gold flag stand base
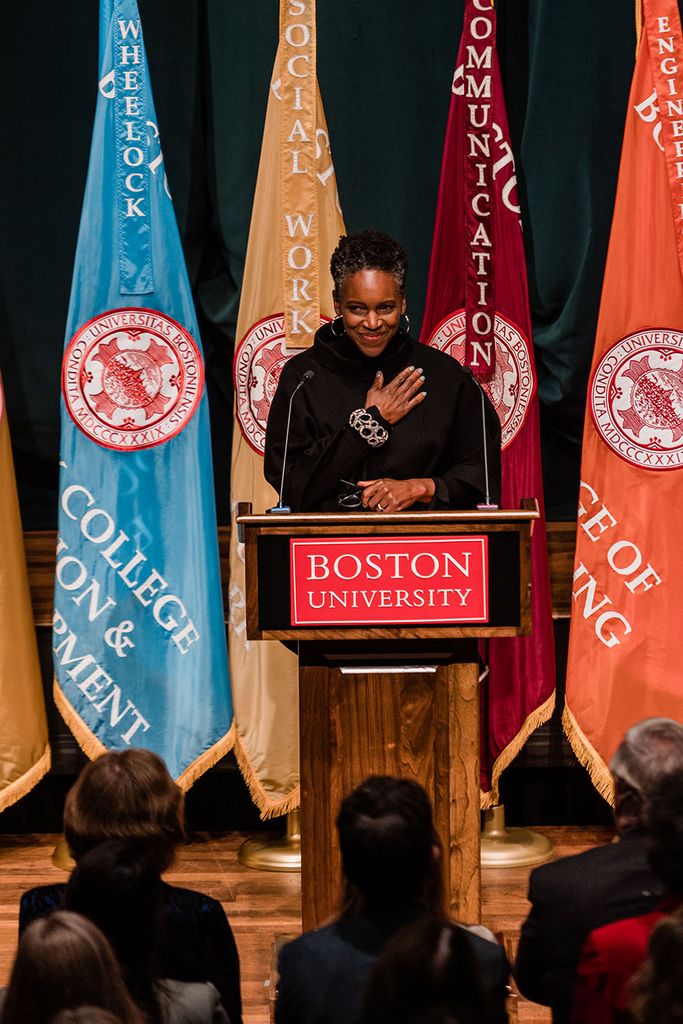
[(503, 847), (275, 853), (61, 858)]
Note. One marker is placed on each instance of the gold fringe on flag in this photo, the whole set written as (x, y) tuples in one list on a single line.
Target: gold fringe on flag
[(16, 790), (588, 757), (24, 742), (207, 760), (537, 718), (267, 806), (89, 744), (94, 748)]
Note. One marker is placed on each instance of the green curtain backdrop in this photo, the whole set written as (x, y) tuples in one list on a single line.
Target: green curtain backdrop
[(385, 69)]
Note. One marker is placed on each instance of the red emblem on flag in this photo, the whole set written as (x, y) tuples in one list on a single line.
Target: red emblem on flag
[(259, 361), (513, 383), (637, 399), (131, 378)]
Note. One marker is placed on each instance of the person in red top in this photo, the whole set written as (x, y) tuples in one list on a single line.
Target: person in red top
[(612, 954)]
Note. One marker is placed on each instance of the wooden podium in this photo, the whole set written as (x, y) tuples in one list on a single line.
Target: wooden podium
[(388, 698)]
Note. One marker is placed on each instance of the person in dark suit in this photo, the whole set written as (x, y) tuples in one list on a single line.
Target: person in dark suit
[(391, 863), (572, 896), (129, 794)]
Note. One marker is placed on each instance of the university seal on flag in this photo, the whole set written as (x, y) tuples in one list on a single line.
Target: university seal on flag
[(131, 378), (636, 399), (513, 383), (259, 360)]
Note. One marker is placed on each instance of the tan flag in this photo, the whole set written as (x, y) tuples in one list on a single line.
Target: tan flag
[(296, 223), (24, 750)]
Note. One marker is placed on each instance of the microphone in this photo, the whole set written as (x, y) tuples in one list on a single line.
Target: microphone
[(280, 507), (487, 505)]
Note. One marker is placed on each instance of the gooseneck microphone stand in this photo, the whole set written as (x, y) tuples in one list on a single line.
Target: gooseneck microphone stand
[(281, 507), (277, 852), (487, 504)]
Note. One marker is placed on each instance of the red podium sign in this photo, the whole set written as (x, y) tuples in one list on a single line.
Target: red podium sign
[(359, 581)]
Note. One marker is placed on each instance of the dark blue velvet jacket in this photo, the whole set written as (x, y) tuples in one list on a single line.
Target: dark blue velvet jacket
[(324, 973), (197, 943)]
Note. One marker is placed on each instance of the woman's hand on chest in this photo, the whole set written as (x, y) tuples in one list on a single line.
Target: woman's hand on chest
[(395, 399)]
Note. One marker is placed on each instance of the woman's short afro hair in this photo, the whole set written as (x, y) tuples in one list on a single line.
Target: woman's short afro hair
[(368, 250)]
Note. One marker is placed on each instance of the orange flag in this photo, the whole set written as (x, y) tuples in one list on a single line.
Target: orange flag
[(296, 222), (626, 642), (24, 750)]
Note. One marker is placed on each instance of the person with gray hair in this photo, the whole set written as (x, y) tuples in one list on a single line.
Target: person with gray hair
[(649, 750), (572, 896)]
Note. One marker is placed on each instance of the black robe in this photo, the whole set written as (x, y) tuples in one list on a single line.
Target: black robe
[(440, 438)]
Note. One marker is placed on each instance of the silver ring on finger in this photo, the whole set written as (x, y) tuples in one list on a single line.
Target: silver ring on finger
[(379, 507)]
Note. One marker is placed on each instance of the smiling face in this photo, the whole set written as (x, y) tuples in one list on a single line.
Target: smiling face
[(371, 304)]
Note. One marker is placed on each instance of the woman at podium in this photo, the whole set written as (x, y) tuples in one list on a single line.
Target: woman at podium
[(380, 421)]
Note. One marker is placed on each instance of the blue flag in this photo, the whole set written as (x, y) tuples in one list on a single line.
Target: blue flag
[(138, 634)]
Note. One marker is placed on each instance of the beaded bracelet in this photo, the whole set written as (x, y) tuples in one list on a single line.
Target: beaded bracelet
[(368, 428)]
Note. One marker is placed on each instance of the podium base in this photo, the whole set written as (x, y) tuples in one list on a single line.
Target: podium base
[(503, 847), (274, 853)]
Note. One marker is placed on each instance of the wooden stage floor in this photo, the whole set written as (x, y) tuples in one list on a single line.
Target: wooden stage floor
[(262, 905)]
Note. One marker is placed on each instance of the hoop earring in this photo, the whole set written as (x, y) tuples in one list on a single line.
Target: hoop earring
[(406, 327), (338, 334)]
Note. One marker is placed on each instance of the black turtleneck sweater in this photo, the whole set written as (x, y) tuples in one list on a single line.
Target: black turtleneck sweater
[(440, 438)]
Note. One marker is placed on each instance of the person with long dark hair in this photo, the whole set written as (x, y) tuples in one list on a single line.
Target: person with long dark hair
[(657, 988), (85, 1015), (391, 862), (383, 422), (64, 961), (427, 974), (129, 794), (116, 886)]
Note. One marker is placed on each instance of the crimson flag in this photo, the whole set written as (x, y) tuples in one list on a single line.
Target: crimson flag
[(477, 309)]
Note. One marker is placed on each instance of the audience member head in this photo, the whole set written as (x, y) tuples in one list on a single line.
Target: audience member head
[(63, 961), (116, 887), (390, 850), (125, 794), (650, 749), (86, 1015), (657, 988), (665, 831), (426, 973)]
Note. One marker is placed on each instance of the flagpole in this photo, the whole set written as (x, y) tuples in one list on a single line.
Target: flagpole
[(275, 853), (503, 847)]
